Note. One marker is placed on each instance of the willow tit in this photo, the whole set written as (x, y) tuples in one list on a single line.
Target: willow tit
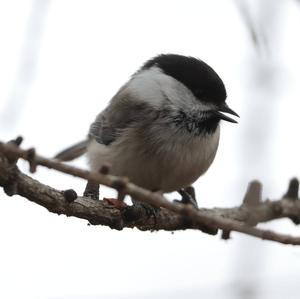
[(161, 129)]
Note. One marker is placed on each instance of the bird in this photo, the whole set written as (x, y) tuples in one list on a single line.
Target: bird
[(161, 129)]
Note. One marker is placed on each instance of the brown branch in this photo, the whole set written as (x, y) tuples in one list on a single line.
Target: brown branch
[(173, 216)]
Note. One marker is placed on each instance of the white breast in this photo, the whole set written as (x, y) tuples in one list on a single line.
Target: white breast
[(169, 165)]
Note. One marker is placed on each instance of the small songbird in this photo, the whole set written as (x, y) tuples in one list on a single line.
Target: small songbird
[(162, 128)]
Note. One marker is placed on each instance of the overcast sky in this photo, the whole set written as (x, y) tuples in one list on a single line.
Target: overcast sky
[(61, 62)]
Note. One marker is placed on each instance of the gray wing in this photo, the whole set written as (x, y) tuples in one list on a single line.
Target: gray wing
[(102, 132), (123, 111)]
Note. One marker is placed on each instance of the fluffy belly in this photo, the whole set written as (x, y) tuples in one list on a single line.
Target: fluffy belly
[(167, 166)]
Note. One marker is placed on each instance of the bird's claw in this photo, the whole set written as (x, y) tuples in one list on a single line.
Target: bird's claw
[(188, 197), (92, 190)]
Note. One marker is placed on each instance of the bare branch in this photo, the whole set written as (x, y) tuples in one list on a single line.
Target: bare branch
[(173, 216)]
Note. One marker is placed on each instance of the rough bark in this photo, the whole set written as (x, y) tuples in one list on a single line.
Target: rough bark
[(172, 216)]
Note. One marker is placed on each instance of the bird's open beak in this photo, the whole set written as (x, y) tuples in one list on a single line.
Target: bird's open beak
[(224, 108)]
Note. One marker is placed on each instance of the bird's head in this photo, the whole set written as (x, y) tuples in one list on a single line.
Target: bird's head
[(207, 90)]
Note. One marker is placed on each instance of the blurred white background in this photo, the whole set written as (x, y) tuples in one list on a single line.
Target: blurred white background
[(61, 62)]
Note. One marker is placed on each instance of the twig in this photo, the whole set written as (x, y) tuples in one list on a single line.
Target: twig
[(234, 219)]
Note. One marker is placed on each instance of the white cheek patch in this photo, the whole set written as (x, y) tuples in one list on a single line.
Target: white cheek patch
[(145, 86), (155, 87)]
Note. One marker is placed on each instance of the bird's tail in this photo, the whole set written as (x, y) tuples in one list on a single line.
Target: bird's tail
[(73, 151)]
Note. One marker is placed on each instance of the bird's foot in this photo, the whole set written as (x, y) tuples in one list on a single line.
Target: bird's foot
[(92, 190), (188, 196)]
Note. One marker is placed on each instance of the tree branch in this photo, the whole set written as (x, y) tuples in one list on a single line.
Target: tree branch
[(172, 216)]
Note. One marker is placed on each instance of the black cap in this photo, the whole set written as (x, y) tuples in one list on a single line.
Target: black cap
[(195, 74)]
